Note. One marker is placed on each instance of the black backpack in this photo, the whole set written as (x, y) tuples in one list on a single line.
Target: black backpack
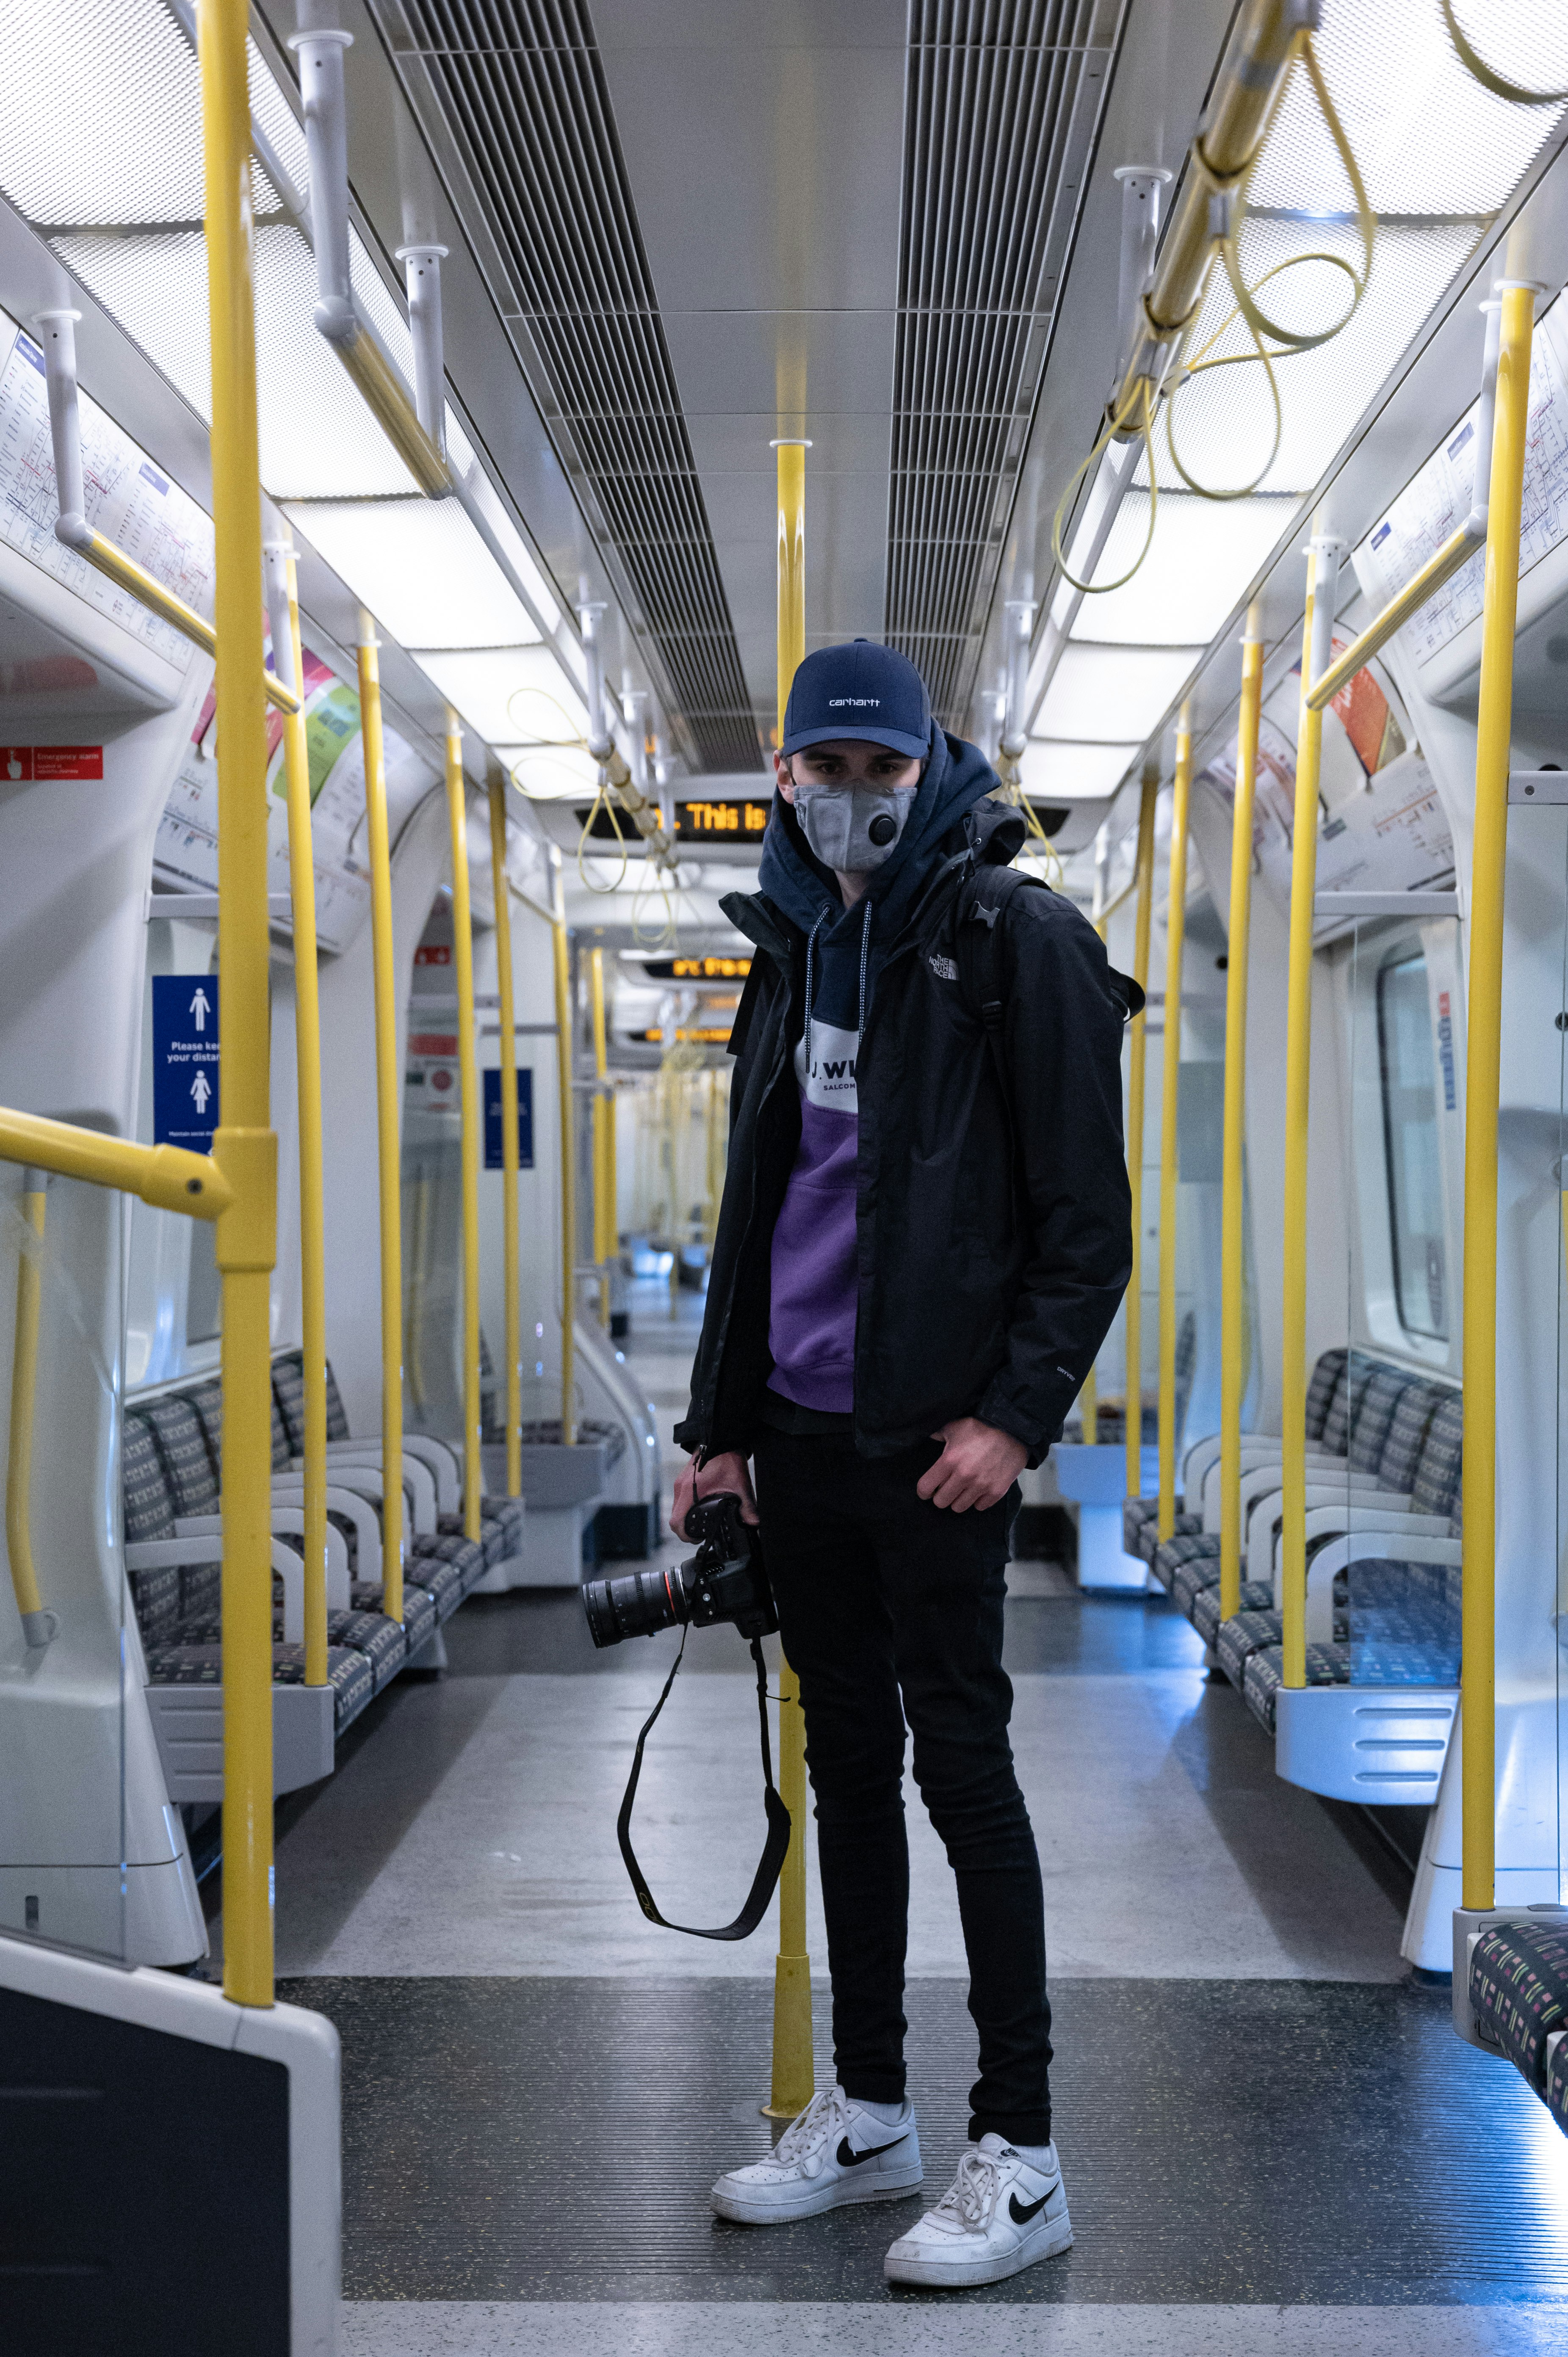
[(985, 895)]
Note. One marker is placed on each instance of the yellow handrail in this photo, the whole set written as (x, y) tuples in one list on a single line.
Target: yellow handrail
[(568, 1123), (37, 1625), (1322, 577), (1234, 1206), (794, 2073), (166, 1177), (388, 1092), (126, 573), (505, 1010), (1175, 934), (1454, 553), (312, 1210), (472, 1116), (244, 1147), (606, 1227), (1482, 1084), (1133, 1321)]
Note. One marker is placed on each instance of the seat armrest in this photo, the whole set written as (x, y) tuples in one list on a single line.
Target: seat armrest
[(359, 1465), (152, 1554), (286, 1520), (1332, 1524), (353, 1507)]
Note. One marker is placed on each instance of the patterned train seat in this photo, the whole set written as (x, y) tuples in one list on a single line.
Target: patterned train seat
[(1327, 1665), (1518, 1991)]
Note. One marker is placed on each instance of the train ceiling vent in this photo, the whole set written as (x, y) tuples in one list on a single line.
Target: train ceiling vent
[(1003, 107), (523, 88)]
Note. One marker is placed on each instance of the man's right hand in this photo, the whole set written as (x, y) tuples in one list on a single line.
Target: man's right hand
[(728, 1472)]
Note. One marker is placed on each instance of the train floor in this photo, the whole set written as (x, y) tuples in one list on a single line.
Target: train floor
[(1269, 2135)]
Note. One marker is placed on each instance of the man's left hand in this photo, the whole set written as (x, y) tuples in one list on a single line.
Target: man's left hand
[(977, 1465)]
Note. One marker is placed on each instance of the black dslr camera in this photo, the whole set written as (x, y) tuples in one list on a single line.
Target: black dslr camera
[(725, 1580)]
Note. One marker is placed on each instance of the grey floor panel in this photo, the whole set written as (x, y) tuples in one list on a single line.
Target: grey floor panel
[(1168, 1843), (1244, 2142), (956, 2329)]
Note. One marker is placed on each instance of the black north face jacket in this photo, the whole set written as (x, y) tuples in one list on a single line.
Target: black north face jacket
[(993, 1223)]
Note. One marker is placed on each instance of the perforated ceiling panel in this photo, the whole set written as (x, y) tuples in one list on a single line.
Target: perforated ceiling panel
[(1002, 113), (523, 88)]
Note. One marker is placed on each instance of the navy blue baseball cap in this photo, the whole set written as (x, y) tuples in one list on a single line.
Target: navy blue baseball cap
[(870, 694)]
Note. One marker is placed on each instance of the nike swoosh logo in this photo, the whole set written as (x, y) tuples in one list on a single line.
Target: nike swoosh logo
[(1021, 2217), (848, 2160)]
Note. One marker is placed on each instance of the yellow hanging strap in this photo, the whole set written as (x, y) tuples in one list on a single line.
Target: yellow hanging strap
[(1233, 1211), (312, 1217), (507, 1012), (564, 1076), (472, 1117), (1477, 1673), (388, 1141), (1176, 932), (37, 1625), (794, 2071), (606, 1230), (1322, 573), (1135, 1056), (244, 1147)]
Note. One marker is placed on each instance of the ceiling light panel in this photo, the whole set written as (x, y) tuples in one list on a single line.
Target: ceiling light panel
[(1067, 773), (1222, 419), (421, 568), (512, 696), (1112, 692), (111, 70), (318, 440), (99, 113), (1205, 552), (1427, 137)]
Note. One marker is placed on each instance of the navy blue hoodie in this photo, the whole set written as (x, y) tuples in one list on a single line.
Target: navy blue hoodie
[(812, 1317)]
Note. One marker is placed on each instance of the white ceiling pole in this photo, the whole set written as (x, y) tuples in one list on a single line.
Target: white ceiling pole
[(422, 268)]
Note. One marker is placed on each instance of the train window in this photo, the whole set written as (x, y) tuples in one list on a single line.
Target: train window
[(1409, 1076)]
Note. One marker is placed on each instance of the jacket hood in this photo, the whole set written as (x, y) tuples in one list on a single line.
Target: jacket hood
[(957, 776)]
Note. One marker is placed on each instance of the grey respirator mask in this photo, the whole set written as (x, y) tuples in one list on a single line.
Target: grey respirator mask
[(853, 828)]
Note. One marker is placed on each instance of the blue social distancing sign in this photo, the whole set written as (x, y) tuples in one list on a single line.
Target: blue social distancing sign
[(493, 1120), (184, 1060)]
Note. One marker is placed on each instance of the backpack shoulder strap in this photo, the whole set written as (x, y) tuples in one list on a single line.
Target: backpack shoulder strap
[(982, 904)]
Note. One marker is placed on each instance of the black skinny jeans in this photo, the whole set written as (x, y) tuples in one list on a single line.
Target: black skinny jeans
[(881, 1596)]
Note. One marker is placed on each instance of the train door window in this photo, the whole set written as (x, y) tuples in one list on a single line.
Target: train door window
[(204, 1288), (1411, 1155)]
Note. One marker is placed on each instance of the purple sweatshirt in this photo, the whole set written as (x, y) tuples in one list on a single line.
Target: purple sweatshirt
[(811, 1330)]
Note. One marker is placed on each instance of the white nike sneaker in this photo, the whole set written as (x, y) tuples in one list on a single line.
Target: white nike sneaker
[(999, 2215), (832, 2153)]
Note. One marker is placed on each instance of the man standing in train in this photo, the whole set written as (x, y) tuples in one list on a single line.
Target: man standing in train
[(924, 1236)]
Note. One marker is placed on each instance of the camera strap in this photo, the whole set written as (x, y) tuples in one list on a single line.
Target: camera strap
[(771, 1863)]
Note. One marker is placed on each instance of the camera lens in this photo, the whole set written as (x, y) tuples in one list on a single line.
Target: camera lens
[(882, 829), (635, 1605)]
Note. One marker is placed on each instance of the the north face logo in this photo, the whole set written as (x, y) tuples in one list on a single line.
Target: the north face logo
[(943, 968)]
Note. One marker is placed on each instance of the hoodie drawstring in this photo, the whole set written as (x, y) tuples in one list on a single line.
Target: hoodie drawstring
[(811, 985)]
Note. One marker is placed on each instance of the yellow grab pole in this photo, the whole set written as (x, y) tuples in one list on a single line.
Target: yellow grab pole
[(1477, 1673), (472, 1116), (791, 567), (126, 573), (1323, 577), (1175, 935), (1135, 1056), (37, 1625), (311, 1220), (1233, 1206), (244, 1147), (794, 2071), (507, 1012), (605, 1233), (387, 1142), (564, 1076)]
